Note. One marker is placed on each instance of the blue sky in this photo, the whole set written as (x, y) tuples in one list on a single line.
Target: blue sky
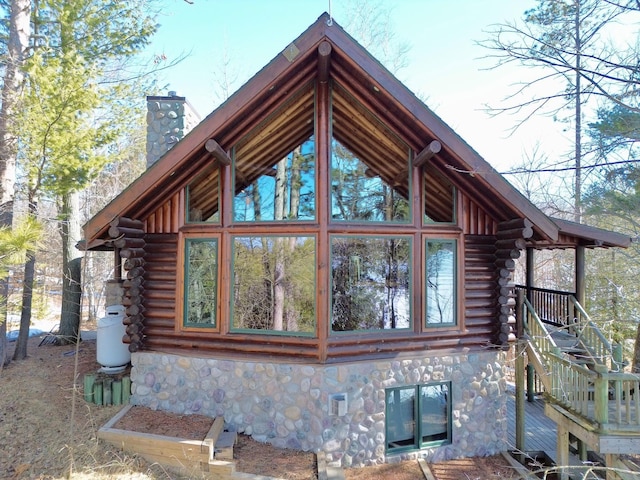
[(445, 66)]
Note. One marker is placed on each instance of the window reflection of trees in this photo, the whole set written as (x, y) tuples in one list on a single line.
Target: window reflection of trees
[(370, 283), (440, 278), (360, 194), (281, 192), (202, 282), (274, 284)]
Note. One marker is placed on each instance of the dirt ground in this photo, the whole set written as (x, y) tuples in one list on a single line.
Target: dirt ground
[(48, 431)]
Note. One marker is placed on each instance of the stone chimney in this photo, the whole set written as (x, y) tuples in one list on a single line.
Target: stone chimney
[(168, 120)]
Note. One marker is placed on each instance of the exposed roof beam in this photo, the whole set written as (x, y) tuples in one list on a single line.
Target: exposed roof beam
[(324, 61), (428, 152), (217, 152)]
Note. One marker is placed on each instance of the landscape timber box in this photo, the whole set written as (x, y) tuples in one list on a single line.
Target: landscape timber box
[(213, 454)]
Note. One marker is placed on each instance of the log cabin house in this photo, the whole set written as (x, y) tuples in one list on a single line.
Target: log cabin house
[(326, 264)]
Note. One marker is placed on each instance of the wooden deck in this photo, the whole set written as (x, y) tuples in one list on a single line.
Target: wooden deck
[(540, 430)]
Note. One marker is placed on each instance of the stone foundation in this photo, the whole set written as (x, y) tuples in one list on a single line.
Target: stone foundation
[(289, 405)]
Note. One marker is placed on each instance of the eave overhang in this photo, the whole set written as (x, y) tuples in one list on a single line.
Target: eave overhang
[(372, 85), (591, 237)]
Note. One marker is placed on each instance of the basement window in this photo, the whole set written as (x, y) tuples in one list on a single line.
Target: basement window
[(418, 416)]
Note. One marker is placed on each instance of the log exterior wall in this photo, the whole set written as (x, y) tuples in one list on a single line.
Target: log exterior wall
[(160, 282), (479, 298)]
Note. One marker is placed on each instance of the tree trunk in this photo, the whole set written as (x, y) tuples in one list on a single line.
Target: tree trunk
[(6, 219), (635, 366), (577, 201), (20, 353), (71, 270), (19, 30)]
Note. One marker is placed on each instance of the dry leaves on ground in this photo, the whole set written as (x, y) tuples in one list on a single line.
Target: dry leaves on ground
[(47, 431)]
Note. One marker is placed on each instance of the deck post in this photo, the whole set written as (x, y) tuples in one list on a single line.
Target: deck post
[(580, 274), (520, 380), (562, 452), (530, 270), (601, 395), (531, 376)]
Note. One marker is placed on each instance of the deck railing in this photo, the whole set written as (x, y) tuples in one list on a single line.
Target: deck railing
[(611, 400), (562, 310), (553, 306)]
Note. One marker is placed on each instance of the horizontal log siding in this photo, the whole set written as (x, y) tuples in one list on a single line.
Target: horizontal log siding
[(480, 281), (160, 286), (479, 321)]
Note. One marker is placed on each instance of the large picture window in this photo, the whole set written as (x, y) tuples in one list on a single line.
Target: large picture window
[(273, 284), (440, 273), (418, 416), (201, 282), (370, 283)]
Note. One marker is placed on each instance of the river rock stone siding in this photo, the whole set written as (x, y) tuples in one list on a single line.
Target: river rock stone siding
[(169, 119), (288, 405)]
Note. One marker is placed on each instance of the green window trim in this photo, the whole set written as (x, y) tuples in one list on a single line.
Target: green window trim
[(418, 416), (440, 300), (371, 284), (273, 285), (200, 303)]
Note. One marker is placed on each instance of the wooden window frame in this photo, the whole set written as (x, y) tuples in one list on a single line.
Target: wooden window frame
[(262, 332), (457, 324), (181, 294)]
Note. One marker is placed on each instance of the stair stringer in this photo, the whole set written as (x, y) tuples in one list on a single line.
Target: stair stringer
[(539, 365)]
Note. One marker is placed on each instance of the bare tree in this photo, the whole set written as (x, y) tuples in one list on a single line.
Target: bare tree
[(565, 41)]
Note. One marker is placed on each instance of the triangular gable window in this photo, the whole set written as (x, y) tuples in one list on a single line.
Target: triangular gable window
[(275, 172), (369, 165), (203, 195)]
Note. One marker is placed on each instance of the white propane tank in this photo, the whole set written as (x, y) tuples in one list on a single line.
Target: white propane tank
[(111, 352)]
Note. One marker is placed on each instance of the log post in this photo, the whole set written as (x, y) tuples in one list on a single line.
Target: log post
[(126, 389), (89, 380), (116, 392)]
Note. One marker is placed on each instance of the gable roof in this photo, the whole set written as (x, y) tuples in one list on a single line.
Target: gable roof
[(325, 51)]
